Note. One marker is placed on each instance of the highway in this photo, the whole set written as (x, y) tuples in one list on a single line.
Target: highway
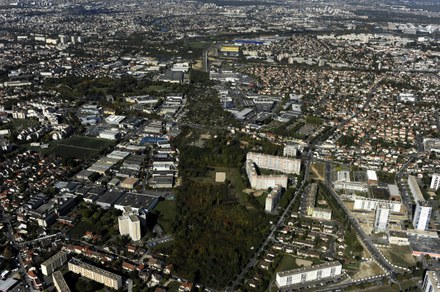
[(253, 261)]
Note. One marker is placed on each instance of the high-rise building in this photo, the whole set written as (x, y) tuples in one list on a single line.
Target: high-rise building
[(129, 224), (422, 215), (382, 217), (290, 150), (431, 282), (435, 181), (53, 263), (273, 198), (299, 277), (96, 274)]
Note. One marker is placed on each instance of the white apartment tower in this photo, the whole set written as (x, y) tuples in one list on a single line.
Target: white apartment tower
[(129, 224), (382, 217), (422, 215), (435, 182)]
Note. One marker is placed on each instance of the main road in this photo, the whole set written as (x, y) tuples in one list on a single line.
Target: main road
[(253, 261)]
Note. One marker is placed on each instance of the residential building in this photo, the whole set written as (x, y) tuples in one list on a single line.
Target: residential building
[(96, 274), (422, 215), (415, 189), (273, 198), (278, 163), (435, 182), (322, 213), (367, 204), (382, 217), (53, 263), (59, 282), (431, 282), (302, 276), (129, 224), (263, 181)]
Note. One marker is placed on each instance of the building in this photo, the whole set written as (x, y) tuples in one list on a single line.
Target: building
[(277, 163), (129, 224), (415, 189), (298, 277), (431, 144), (435, 182), (367, 204), (263, 181), (129, 183), (431, 281), (422, 215), (96, 274), (59, 282), (110, 134), (290, 150), (394, 193), (382, 217), (273, 198), (53, 263), (372, 177), (322, 213)]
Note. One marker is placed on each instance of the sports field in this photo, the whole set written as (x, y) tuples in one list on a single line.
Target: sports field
[(80, 147)]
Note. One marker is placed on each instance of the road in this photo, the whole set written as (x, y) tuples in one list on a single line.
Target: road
[(253, 261), (23, 272), (365, 239)]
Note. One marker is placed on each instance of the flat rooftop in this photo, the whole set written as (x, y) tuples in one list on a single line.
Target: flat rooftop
[(309, 268), (110, 197), (138, 201)]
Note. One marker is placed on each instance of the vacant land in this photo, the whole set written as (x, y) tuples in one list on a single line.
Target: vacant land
[(80, 147), (399, 255), (368, 269)]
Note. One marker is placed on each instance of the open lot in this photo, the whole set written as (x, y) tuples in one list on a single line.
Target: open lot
[(368, 269), (399, 255)]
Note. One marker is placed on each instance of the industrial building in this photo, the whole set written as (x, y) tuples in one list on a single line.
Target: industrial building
[(96, 274), (302, 276)]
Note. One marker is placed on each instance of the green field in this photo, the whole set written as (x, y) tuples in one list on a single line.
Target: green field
[(80, 147), (166, 214), (287, 263)]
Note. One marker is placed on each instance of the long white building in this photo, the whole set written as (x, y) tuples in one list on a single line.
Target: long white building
[(415, 189), (96, 274), (302, 276), (278, 163), (367, 204), (260, 182)]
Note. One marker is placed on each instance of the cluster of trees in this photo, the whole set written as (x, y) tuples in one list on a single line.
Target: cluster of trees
[(214, 233), (214, 238)]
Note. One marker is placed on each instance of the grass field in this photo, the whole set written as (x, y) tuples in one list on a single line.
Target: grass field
[(80, 147), (167, 214), (288, 262), (399, 255)]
